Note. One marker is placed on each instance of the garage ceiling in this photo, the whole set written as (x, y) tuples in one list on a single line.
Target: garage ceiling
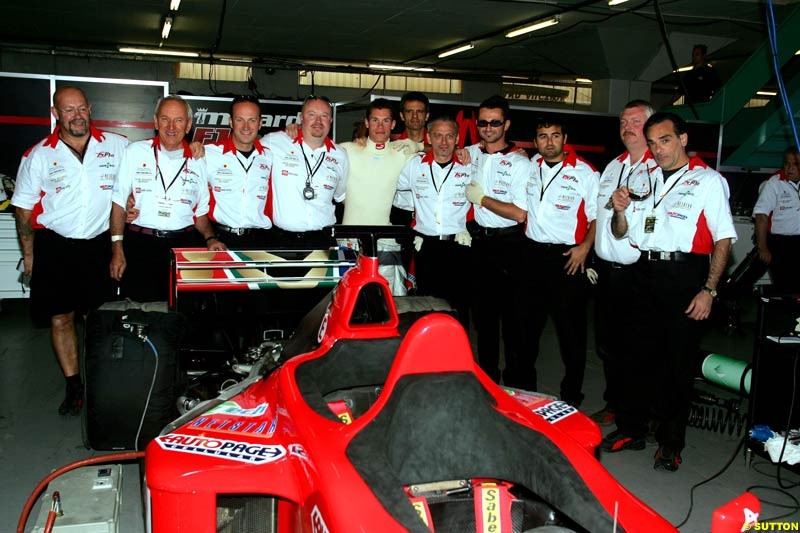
[(593, 40)]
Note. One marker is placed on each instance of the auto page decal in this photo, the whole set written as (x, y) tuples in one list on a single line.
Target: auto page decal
[(232, 450), (555, 411)]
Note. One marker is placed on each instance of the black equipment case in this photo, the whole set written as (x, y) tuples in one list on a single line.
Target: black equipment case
[(119, 367)]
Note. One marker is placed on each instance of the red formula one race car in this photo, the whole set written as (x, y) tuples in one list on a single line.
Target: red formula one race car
[(364, 423)]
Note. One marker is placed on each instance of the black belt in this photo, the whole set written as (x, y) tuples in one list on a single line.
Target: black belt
[(164, 234), (300, 234), (650, 255), (437, 237), (237, 231), (552, 246), (480, 231)]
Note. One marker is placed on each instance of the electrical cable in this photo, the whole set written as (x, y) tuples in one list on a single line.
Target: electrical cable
[(788, 427), (149, 393), (26, 510), (373, 85), (792, 508), (719, 473), (772, 32)]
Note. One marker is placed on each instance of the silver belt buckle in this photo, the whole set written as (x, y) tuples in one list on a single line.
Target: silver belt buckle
[(664, 256), (238, 231)]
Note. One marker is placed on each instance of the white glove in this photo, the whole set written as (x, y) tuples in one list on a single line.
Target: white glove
[(418, 243), (464, 238), (592, 275), (474, 192)]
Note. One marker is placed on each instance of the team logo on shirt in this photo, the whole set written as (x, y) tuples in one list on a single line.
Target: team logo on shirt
[(331, 160), (106, 187), (460, 174), (562, 207), (186, 201), (504, 173), (570, 178), (679, 216), (263, 166), (682, 205), (505, 163), (691, 183), (284, 172), (104, 154)]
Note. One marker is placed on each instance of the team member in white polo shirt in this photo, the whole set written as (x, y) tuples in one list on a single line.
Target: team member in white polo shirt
[(309, 174), (614, 257), (238, 180), (500, 173), (677, 222), (777, 214), (170, 192), (562, 206), (62, 198), (437, 180)]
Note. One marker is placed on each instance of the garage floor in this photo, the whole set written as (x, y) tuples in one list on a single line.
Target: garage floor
[(34, 440)]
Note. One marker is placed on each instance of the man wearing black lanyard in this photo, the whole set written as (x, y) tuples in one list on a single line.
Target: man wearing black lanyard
[(238, 180), (309, 174), (678, 222), (615, 257), (500, 173), (437, 180), (562, 197), (170, 192)]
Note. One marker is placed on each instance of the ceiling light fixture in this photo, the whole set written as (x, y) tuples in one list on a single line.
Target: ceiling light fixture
[(766, 93), (458, 50), (166, 28), (174, 5), (685, 69), (509, 77), (616, 2), (583, 80), (157, 52), (533, 27), (400, 67)]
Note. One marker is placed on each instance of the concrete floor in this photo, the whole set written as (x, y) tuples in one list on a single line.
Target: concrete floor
[(34, 440)]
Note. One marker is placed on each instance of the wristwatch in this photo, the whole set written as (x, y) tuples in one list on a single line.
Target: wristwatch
[(709, 290)]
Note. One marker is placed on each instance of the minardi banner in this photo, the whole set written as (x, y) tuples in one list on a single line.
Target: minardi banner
[(212, 116)]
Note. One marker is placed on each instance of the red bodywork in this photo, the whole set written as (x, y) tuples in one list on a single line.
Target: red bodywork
[(271, 442)]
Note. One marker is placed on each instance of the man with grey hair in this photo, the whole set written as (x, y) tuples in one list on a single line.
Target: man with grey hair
[(614, 256), (170, 192)]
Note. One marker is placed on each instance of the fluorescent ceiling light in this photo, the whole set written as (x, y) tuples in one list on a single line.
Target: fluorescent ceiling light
[(463, 48), (583, 80), (400, 67), (533, 27), (166, 28), (157, 52), (174, 5), (766, 93), (508, 77), (615, 2), (685, 69), (232, 59)]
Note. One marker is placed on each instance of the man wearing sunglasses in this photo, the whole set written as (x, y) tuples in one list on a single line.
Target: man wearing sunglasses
[(238, 180), (63, 198), (500, 172), (309, 174), (614, 257), (562, 198), (684, 231)]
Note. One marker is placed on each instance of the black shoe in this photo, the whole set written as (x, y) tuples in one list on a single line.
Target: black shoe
[(616, 441), (604, 417), (73, 401), (667, 459)]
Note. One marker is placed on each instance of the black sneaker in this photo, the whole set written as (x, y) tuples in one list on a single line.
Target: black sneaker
[(73, 401), (667, 459), (616, 441)]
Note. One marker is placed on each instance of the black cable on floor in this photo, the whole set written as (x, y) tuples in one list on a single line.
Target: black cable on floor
[(788, 427), (792, 508), (721, 471)]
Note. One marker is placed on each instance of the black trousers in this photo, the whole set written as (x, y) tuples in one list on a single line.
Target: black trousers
[(497, 301), (302, 240), (441, 270), (550, 291), (613, 286), (785, 263), (661, 344), (147, 274)]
